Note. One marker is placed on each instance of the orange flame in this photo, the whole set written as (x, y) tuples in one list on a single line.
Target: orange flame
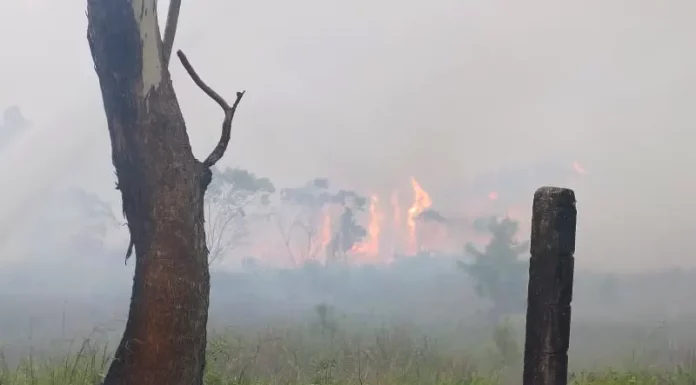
[(370, 247), (579, 168), (397, 225), (421, 202), (394, 200), (395, 230), (326, 231)]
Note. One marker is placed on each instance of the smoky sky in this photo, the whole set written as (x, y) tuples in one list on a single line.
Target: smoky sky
[(369, 93)]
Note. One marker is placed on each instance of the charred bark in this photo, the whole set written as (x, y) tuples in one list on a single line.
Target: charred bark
[(162, 187)]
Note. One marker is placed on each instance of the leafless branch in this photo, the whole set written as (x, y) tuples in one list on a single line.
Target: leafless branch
[(221, 147), (223, 230), (285, 236), (170, 30), (222, 238)]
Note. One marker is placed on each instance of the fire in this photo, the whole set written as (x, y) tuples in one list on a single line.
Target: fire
[(396, 209), (394, 229), (421, 202), (579, 168), (326, 230), (397, 226), (370, 247)]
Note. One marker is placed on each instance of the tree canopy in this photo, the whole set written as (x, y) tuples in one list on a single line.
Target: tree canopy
[(234, 197), (499, 273)]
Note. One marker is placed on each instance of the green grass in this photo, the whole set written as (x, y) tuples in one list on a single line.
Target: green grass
[(322, 354), (676, 377)]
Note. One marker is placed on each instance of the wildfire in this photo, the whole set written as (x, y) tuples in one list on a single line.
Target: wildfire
[(396, 209), (326, 230), (421, 202), (370, 247), (579, 168), (396, 228)]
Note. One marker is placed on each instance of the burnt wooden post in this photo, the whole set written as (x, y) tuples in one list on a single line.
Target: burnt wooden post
[(550, 287)]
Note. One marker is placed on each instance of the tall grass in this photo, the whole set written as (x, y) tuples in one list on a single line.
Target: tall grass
[(322, 354), (85, 365)]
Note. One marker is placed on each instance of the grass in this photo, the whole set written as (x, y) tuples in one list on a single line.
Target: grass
[(323, 354), (85, 366)]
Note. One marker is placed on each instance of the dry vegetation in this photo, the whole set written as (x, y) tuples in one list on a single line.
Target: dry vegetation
[(321, 353), (415, 337)]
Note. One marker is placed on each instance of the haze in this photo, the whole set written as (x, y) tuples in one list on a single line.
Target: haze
[(371, 93)]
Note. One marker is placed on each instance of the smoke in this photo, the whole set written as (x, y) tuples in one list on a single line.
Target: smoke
[(36, 163), (449, 93)]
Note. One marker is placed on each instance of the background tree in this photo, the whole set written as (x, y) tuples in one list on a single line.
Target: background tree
[(234, 198), (348, 235), (305, 206), (162, 186), (498, 272)]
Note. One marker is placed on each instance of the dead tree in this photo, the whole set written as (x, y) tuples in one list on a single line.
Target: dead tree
[(550, 287), (162, 186)]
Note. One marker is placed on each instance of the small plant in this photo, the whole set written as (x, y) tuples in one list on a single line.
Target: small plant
[(323, 374)]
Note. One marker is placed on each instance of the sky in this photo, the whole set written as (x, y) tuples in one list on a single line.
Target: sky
[(369, 93)]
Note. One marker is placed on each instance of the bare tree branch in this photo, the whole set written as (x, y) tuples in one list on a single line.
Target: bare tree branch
[(170, 30), (221, 147), (285, 236), (224, 221)]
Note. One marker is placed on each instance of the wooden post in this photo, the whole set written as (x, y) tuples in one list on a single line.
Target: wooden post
[(550, 287)]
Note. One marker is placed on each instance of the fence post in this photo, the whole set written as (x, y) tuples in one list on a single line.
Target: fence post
[(550, 287)]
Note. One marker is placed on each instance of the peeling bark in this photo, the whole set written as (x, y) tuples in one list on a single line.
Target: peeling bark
[(162, 187)]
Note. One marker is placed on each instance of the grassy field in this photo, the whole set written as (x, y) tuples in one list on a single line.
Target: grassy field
[(419, 325), (323, 354)]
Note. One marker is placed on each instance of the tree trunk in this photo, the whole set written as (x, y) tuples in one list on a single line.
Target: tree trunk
[(162, 187)]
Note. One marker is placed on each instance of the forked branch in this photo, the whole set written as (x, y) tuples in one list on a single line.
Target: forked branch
[(170, 30), (221, 147)]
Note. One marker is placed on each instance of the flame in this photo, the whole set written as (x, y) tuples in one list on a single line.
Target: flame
[(421, 202), (579, 168), (397, 224), (326, 231), (396, 209), (370, 247), (394, 230)]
